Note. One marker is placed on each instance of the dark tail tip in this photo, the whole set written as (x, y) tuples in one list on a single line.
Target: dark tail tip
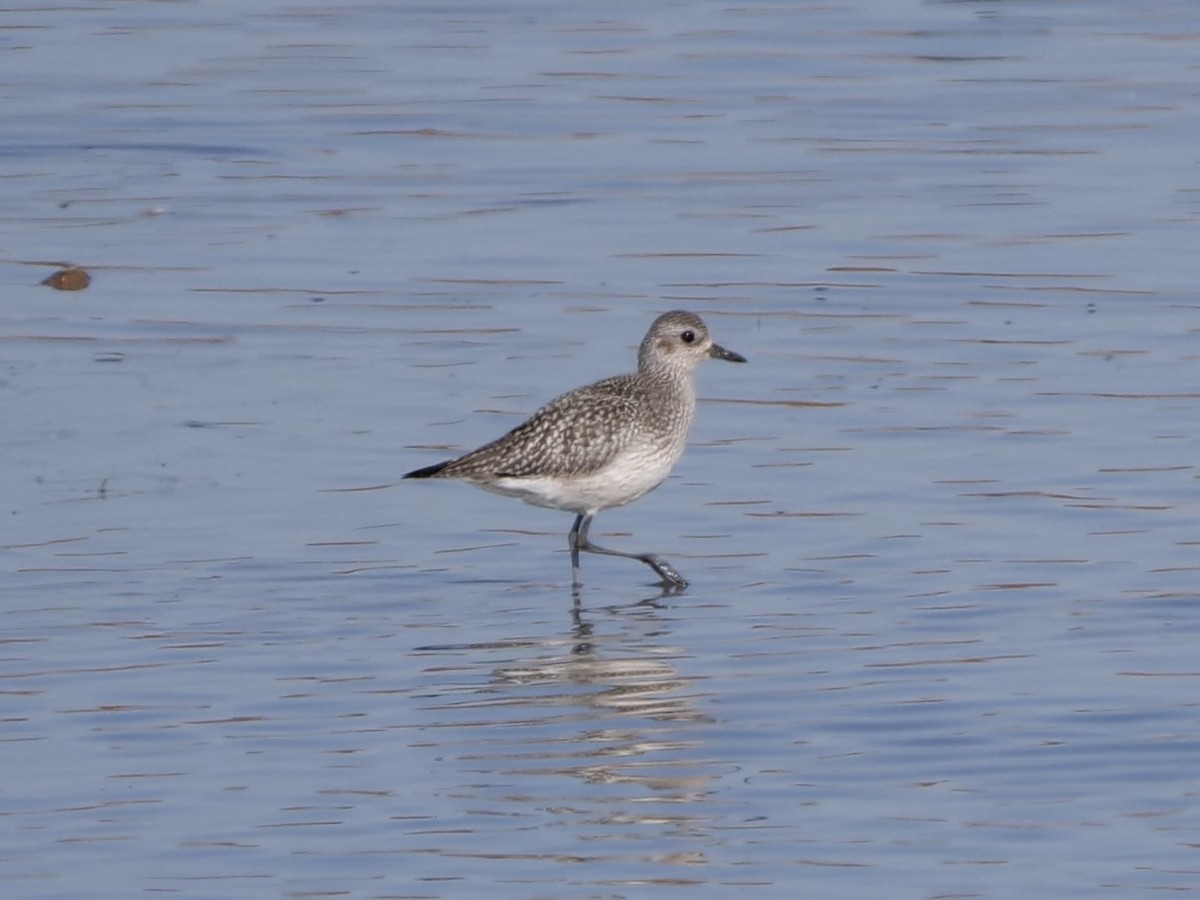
[(428, 471)]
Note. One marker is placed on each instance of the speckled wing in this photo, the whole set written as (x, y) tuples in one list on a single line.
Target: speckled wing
[(576, 434)]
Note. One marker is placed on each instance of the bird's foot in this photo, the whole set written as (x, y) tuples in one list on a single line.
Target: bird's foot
[(671, 579)]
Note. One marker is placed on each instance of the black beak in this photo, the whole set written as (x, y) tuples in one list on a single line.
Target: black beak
[(716, 351)]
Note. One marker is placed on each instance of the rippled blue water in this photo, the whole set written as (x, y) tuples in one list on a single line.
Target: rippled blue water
[(941, 532)]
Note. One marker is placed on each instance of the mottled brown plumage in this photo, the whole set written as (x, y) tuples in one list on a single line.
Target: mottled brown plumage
[(602, 445)]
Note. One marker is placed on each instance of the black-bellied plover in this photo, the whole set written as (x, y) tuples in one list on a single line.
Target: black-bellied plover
[(602, 445)]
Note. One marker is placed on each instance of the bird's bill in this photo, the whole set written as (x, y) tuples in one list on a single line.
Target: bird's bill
[(716, 351)]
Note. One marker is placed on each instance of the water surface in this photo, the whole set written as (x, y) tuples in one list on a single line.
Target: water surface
[(941, 532)]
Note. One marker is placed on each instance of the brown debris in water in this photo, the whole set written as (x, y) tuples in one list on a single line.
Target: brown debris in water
[(72, 278)]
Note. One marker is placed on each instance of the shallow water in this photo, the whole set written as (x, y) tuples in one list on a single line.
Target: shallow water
[(941, 532)]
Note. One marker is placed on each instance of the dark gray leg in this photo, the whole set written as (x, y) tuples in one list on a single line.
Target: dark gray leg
[(579, 541), (573, 542)]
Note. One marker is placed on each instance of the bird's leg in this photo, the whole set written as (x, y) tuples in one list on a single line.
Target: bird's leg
[(579, 541), (573, 542)]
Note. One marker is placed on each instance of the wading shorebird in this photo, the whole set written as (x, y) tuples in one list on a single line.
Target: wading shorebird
[(602, 445)]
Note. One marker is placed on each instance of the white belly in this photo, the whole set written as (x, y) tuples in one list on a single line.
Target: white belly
[(628, 477)]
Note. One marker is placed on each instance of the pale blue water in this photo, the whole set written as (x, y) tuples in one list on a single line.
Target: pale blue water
[(942, 531)]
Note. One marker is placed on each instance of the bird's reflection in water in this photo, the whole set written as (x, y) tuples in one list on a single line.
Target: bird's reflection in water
[(604, 704)]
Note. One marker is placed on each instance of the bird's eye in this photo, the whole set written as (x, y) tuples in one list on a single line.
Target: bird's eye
[(688, 336)]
